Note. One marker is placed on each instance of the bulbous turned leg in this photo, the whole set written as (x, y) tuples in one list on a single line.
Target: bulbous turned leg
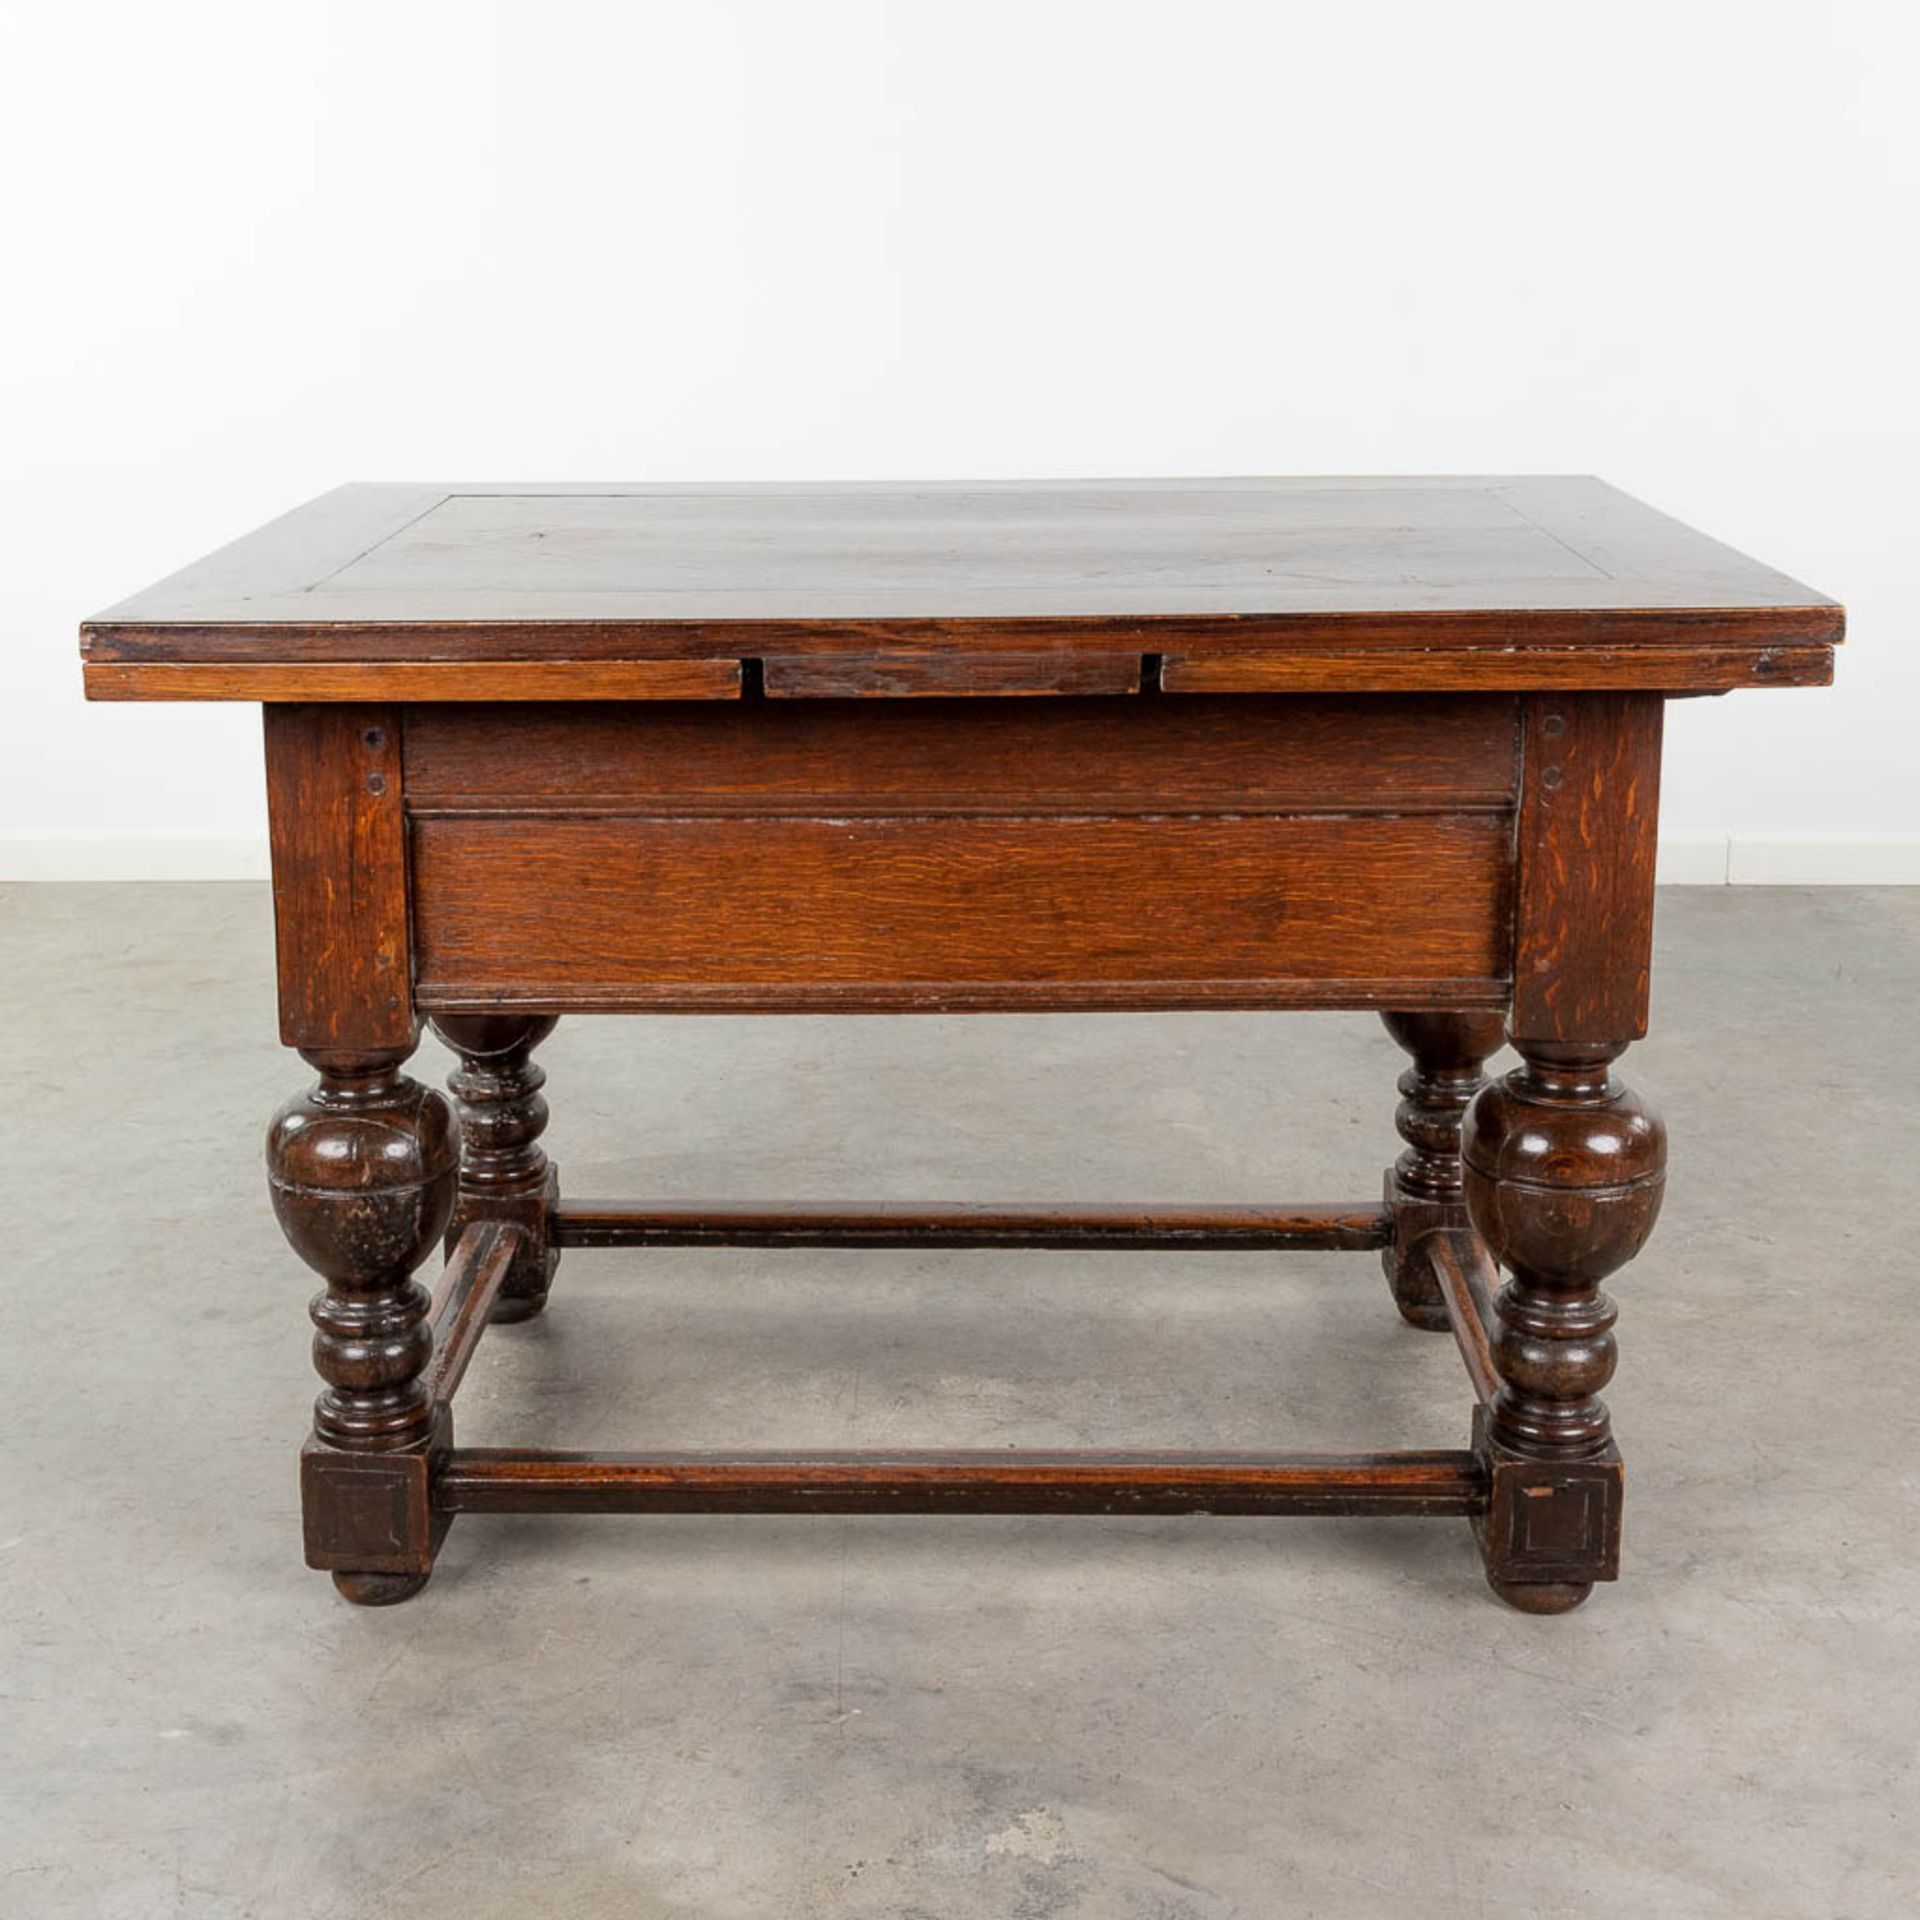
[(361, 1170), (1564, 1169), (1424, 1184), (504, 1172)]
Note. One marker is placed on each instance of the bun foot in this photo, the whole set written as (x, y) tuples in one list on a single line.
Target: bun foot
[(379, 1589), (513, 1307), (1418, 1313), (1541, 1596)]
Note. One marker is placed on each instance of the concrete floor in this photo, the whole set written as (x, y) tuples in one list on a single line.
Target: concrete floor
[(938, 1719)]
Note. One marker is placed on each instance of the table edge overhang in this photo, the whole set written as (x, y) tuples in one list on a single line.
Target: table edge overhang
[(1695, 649)]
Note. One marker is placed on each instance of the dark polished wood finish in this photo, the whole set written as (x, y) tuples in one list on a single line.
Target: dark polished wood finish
[(1465, 1278), (1564, 1169), (1424, 1192), (1196, 570), (479, 1264), (961, 758), (1387, 744), (487, 1480), (1135, 1229), (1032, 854), (361, 1169)]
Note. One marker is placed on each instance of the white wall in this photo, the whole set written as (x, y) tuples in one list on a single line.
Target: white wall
[(251, 250)]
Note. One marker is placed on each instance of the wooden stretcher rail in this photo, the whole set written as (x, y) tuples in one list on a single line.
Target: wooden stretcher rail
[(469, 1286), (1490, 991), (1468, 1280), (490, 1480), (613, 1223)]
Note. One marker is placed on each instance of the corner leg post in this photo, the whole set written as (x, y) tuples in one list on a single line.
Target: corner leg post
[(361, 1168), (505, 1174), (1424, 1188), (1564, 1173)]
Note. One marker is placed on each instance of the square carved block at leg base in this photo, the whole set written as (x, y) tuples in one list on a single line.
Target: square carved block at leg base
[(372, 1513), (1551, 1529)]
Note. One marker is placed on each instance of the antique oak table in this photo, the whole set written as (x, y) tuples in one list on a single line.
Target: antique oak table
[(1389, 744)]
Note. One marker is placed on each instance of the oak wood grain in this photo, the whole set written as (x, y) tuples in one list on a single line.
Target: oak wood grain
[(1585, 841), (415, 680), (504, 1480), (1674, 668), (337, 828), (1247, 754), (1264, 994), (936, 671), (831, 1223), (690, 912), (986, 573)]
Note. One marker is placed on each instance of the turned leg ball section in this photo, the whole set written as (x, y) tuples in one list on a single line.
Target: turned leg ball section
[(1555, 1171)]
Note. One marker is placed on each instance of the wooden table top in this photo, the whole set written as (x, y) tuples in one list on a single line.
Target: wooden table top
[(627, 592)]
